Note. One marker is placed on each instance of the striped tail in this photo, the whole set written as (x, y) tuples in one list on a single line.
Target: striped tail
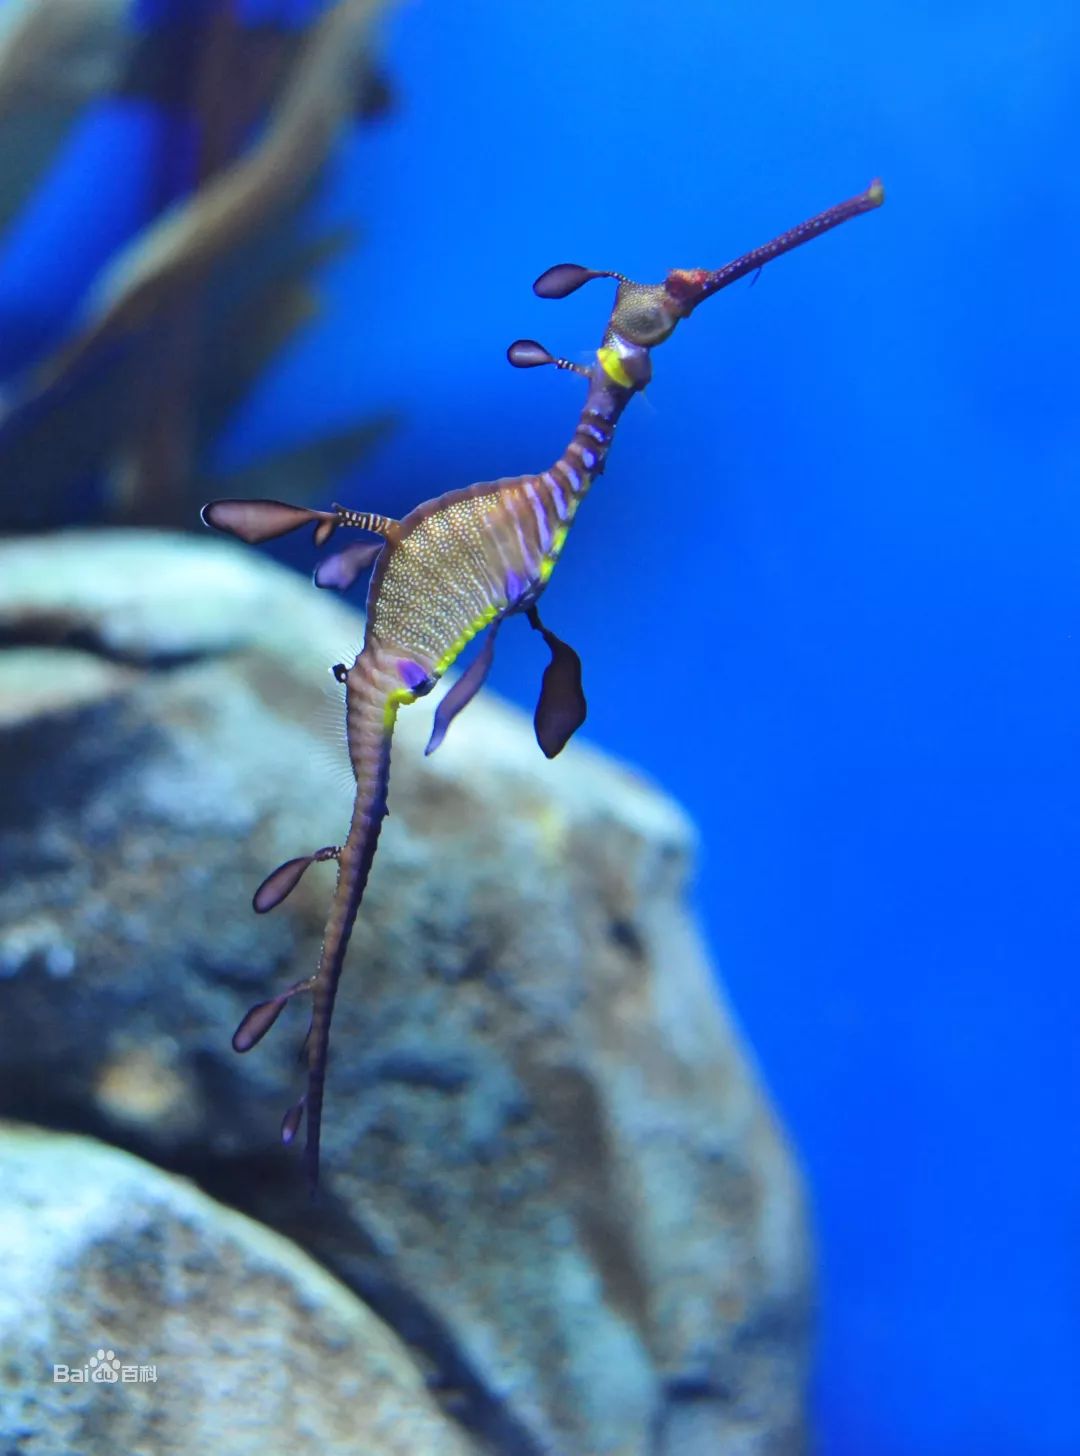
[(373, 693)]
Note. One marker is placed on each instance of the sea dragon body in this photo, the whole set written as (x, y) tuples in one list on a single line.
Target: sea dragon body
[(453, 567)]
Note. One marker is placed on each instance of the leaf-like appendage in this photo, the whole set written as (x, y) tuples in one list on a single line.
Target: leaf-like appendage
[(255, 521), (257, 1023), (528, 354), (562, 707), (564, 279), (279, 883)]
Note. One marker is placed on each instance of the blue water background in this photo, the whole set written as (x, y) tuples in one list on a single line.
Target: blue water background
[(828, 593)]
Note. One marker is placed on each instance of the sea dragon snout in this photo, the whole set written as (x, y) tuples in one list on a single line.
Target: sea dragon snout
[(456, 566)]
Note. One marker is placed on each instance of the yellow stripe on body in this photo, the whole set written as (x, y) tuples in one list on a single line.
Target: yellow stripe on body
[(399, 698), (612, 366), (487, 615), (558, 541), (402, 697)]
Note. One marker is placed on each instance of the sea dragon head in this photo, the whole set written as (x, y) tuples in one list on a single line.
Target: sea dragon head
[(645, 314)]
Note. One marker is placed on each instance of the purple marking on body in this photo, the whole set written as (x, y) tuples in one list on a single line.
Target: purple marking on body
[(597, 434), (588, 457), (411, 673), (514, 587), (572, 476), (543, 529), (556, 494)]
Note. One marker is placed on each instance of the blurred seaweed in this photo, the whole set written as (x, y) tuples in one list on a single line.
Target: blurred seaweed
[(111, 411)]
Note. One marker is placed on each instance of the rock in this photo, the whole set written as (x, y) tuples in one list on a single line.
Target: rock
[(210, 1323), (547, 1162)]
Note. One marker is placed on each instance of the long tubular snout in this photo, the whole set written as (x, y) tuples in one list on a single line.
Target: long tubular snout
[(690, 288)]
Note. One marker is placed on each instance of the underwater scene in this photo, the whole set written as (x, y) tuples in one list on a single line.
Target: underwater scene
[(484, 977)]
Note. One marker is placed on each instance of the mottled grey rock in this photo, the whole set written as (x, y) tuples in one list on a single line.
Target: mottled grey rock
[(547, 1162), (222, 1336)]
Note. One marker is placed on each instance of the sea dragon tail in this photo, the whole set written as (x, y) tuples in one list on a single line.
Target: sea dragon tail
[(376, 685), (373, 693)]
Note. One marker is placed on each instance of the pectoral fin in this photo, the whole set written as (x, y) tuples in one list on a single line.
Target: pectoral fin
[(464, 690), (561, 709)]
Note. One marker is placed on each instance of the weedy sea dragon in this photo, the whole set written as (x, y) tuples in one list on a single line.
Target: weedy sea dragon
[(451, 568)]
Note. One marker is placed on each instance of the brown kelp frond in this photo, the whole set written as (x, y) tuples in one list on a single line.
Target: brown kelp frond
[(59, 51), (181, 246), (55, 56), (159, 57), (259, 301), (180, 324), (317, 463)]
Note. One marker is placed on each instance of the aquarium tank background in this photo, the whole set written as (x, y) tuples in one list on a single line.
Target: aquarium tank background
[(826, 594)]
